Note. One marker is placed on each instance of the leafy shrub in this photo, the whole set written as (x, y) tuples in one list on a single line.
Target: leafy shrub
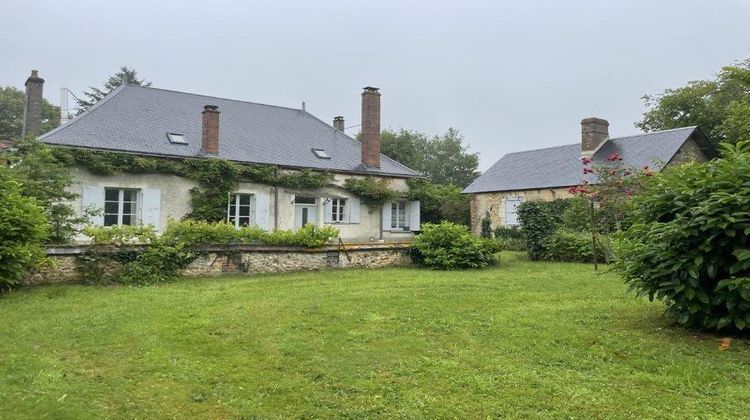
[(158, 263), (119, 235), (510, 238), (486, 227), (439, 202), (540, 219), (688, 243), (566, 245), (449, 246), (577, 215), (23, 228), (372, 191), (194, 232)]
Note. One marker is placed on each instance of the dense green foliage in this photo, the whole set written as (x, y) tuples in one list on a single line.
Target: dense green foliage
[(46, 179), (567, 245), (443, 159), (11, 113), (721, 107), (540, 219), (373, 191), (485, 228), (136, 255), (525, 340), (689, 242), (216, 177), (439, 202), (23, 229), (450, 246), (510, 238), (94, 95)]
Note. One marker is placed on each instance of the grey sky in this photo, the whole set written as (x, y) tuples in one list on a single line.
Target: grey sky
[(511, 75)]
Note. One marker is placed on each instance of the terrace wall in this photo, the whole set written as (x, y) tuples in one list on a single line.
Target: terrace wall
[(215, 260)]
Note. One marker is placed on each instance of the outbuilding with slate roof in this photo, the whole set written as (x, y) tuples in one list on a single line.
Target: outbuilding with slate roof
[(547, 174)]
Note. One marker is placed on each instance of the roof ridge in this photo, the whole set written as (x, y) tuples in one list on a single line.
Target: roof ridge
[(214, 97), (648, 133)]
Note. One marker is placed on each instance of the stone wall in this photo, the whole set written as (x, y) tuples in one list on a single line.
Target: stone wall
[(252, 259)]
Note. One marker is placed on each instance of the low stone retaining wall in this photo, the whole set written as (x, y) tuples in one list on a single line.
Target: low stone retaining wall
[(215, 260)]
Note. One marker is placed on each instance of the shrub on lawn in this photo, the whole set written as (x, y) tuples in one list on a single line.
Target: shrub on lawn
[(689, 241), (510, 238), (448, 246), (23, 230), (540, 219), (193, 232), (567, 245)]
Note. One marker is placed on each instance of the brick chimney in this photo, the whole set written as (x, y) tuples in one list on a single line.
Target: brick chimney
[(594, 132), (338, 123), (210, 137), (371, 127), (32, 111)]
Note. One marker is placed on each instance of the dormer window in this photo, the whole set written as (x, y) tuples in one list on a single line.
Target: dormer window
[(321, 153), (175, 138)]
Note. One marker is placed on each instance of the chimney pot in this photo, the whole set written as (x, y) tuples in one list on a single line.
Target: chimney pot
[(371, 127), (338, 123), (594, 132), (32, 111), (210, 134)]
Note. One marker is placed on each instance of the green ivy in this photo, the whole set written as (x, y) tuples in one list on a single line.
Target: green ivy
[(217, 178), (372, 191)]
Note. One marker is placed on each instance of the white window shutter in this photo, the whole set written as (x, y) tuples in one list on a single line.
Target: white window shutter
[(414, 216), (328, 210), (386, 214), (262, 210), (151, 214), (93, 198), (353, 207)]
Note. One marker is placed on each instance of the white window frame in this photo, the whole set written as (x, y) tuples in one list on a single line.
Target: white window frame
[(234, 202), (339, 209), (516, 198), (134, 209), (399, 216)]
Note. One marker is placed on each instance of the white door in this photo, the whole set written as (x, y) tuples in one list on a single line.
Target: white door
[(511, 210), (305, 211)]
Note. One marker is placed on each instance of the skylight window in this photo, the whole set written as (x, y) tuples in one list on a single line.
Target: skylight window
[(175, 138), (321, 153)]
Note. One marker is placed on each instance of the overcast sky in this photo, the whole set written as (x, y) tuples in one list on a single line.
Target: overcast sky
[(510, 75)]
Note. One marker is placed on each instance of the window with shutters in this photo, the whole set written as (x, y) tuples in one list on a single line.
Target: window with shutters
[(241, 210), (338, 210), (399, 215), (120, 206), (511, 210)]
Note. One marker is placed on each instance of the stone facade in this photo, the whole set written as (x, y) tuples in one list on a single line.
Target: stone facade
[(251, 259)]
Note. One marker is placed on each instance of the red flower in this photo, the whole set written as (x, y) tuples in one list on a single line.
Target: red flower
[(613, 171), (586, 160), (628, 193), (614, 156), (573, 190), (587, 170)]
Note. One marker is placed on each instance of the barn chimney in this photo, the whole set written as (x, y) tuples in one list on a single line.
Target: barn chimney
[(210, 137), (32, 111), (594, 132), (371, 127), (338, 123)]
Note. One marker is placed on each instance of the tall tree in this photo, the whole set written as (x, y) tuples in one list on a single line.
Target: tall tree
[(11, 113), (443, 159), (721, 106), (95, 95)]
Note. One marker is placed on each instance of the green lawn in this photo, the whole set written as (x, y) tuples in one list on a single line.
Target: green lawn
[(523, 339)]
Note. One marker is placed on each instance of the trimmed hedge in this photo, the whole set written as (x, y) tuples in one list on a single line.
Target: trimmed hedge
[(450, 246)]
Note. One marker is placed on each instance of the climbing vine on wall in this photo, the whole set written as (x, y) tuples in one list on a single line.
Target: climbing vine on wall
[(216, 177), (372, 191)]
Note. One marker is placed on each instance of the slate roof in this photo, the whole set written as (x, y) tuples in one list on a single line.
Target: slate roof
[(137, 119), (561, 166)]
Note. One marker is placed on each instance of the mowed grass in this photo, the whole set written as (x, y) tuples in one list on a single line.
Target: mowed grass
[(520, 340)]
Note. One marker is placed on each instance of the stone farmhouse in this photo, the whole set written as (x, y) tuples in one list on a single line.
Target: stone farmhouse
[(155, 122), (547, 174)]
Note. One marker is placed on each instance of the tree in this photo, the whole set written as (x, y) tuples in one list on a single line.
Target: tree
[(11, 113), (95, 95), (720, 106), (43, 177), (443, 159)]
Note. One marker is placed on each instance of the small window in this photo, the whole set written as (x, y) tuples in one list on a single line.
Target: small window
[(241, 210), (300, 199), (120, 206), (175, 138), (338, 210), (321, 153), (399, 219)]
